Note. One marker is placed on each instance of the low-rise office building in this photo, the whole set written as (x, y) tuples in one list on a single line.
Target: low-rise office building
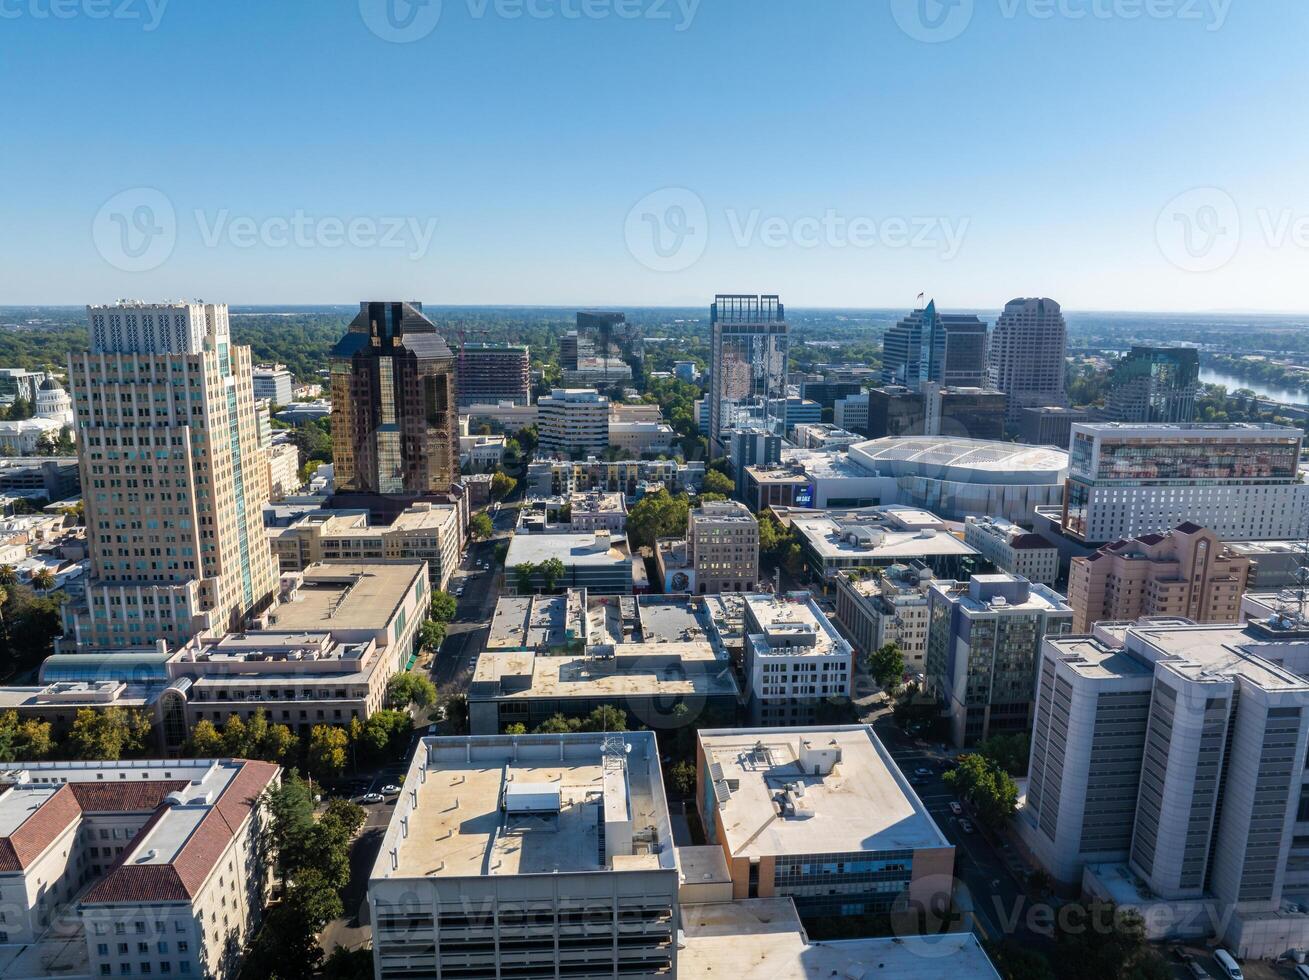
[(795, 660), (597, 511), (662, 661), (824, 436), (887, 607), (529, 856), (879, 537), (1167, 776), (983, 643), (322, 654), (598, 562), (141, 868), (504, 416), (478, 454), (641, 438), (764, 939), (1013, 549), (424, 532), (1186, 572), (823, 816), (1273, 564), (273, 382)]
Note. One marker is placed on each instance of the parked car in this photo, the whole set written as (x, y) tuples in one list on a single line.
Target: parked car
[(922, 772), (1227, 965), (372, 798), (1197, 970), (390, 789), (956, 809), (966, 826)]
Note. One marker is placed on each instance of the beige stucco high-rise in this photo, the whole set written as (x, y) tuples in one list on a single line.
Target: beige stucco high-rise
[(1186, 572), (174, 478)]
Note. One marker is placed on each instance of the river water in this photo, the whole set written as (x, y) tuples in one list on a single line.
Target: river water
[(1288, 396)]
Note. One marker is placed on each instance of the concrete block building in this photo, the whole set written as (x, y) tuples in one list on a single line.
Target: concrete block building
[(823, 816), (534, 857)]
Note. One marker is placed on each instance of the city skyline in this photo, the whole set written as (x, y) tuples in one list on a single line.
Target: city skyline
[(811, 202)]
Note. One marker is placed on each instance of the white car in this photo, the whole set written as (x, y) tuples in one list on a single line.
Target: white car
[(390, 789), (372, 798), (955, 808)]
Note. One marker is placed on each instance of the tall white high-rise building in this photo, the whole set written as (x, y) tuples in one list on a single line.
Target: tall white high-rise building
[(1026, 355), (174, 478)]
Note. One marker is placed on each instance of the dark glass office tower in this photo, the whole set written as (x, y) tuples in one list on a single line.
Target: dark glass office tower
[(750, 345), (395, 428), (1155, 384)]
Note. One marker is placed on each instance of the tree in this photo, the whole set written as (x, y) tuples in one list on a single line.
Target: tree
[(327, 750), (517, 728), (716, 482), (24, 740), (43, 580), (481, 527), (8, 575), (431, 635), (886, 664), (444, 607), (605, 718), (406, 689), (1101, 940), (552, 570), (523, 574), (657, 515), (349, 964), (456, 713), (988, 787), (108, 735), (503, 485), (1015, 962), (1009, 752), (682, 776), (556, 724), (205, 741)]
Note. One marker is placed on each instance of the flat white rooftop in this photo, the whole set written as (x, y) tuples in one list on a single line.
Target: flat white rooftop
[(451, 820), (763, 939), (861, 803)]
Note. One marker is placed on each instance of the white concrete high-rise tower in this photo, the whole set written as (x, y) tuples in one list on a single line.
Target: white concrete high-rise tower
[(173, 477)]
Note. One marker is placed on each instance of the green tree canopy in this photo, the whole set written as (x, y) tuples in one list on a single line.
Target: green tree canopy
[(657, 515), (409, 688)]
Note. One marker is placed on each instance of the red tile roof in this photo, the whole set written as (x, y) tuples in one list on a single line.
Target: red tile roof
[(182, 879), (126, 797), (39, 830)]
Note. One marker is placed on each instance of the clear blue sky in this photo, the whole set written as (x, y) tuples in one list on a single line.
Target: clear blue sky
[(1039, 152)]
